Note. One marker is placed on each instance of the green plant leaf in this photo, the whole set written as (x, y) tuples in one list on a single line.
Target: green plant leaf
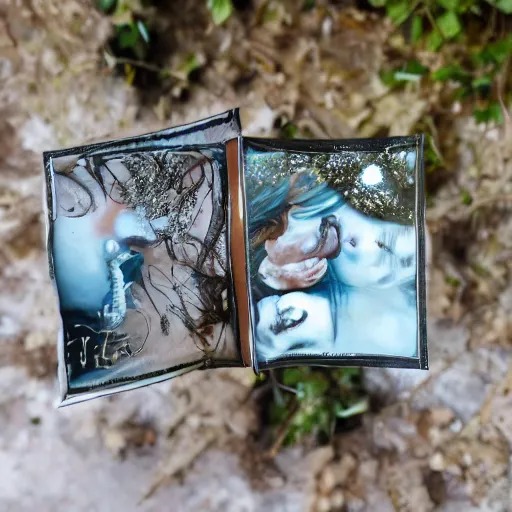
[(106, 5), (277, 413), (190, 63), (128, 35), (289, 131), (434, 40), (377, 3), (494, 53), (143, 31), (449, 24), (491, 113), (321, 394), (348, 376), (316, 385), (481, 82), (450, 5), (450, 72), (398, 11), (466, 198), (292, 376), (402, 76), (415, 67), (452, 281), (387, 77), (416, 28), (503, 5), (308, 5), (412, 71), (501, 50), (432, 158), (221, 10), (358, 407)]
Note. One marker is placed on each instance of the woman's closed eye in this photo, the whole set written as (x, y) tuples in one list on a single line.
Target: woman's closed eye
[(288, 319), (383, 246)]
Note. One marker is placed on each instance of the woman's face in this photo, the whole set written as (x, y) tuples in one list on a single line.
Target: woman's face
[(90, 222), (296, 322), (373, 253), (365, 252)]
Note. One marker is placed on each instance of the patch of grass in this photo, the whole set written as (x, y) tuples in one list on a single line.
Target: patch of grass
[(308, 402), (132, 48), (474, 44), (129, 49), (456, 54), (452, 281)]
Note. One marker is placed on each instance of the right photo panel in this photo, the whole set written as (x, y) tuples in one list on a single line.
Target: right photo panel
[(333, 250)]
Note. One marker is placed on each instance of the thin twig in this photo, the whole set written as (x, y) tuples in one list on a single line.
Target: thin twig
[(490, 29), (499, 91), (275, 388), (433, 22), (435, 138), (283, 430), (137, 63)]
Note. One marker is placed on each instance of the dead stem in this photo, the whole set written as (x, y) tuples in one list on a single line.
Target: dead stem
[(137, 64), (283, 430)]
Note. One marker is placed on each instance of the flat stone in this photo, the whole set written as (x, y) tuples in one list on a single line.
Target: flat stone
[(344, 468)]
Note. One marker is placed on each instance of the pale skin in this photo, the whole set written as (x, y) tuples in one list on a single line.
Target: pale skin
[(377, 323), (370, 258), (365, 252), (88, 219)]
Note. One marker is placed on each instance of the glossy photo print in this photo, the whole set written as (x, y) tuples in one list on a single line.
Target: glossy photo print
[(138, 247), (333, 248)]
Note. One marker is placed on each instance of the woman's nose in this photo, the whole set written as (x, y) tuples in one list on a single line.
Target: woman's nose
[(133, 225)]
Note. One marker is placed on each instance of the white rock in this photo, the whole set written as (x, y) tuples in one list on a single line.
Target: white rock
[(436, 462)]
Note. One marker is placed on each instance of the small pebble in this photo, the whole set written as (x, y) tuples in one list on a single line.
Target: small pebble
[(441, 416), (327, 480), (337, 499), (467, 460), (194, 421), (368, 470), (344, 468), (437, 462), (453, 469), (275, 482), (327, 25), (456, 426), (323, 504)]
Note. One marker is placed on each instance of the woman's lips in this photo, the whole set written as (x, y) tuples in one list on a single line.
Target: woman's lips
[(329, 246)]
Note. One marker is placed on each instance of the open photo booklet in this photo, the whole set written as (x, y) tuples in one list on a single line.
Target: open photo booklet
[(195, 247)]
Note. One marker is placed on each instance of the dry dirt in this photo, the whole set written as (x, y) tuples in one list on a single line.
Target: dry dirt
[(441, 439)]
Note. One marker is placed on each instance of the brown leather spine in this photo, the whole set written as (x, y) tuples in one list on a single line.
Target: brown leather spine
[(237, 247)]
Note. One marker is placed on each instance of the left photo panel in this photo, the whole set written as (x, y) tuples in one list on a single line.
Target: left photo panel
[(138, 252)]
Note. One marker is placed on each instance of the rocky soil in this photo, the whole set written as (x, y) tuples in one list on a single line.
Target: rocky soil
[(438, 440)]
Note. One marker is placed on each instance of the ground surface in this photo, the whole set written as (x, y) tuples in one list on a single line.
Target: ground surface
[(440, 441)]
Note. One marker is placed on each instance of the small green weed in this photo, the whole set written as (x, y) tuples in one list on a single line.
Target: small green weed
[(131, 48), (309, 401), (220, 10), (474, 50)]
